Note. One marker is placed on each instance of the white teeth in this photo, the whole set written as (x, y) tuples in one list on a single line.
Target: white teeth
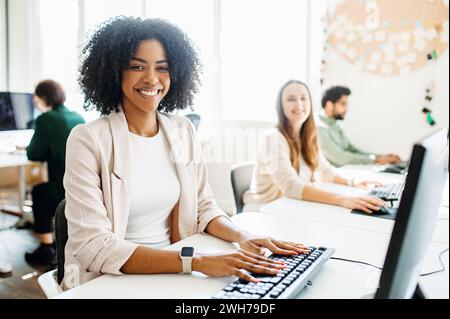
[(148, 92)]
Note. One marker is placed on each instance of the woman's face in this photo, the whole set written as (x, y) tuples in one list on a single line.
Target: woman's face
[(296, 103), (146, 80), (40, 104)]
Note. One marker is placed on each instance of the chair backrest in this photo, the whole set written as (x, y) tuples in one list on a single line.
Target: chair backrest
[(194, 118), (60, 237), (241, 179), (49, 285)]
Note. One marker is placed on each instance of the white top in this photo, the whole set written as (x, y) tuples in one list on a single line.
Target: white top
[(155, 190)]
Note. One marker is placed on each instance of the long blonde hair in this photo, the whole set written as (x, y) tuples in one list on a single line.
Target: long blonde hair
[(308, 146)]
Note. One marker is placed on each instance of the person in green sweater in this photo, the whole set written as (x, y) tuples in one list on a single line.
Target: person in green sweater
[(48, 144), (335, 145)]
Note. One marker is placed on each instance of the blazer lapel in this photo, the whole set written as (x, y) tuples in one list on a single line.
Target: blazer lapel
[(120, 175)]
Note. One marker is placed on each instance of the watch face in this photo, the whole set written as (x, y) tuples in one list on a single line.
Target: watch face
[(187, 251)]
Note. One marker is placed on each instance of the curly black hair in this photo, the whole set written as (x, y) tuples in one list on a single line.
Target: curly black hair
[(111, 48)]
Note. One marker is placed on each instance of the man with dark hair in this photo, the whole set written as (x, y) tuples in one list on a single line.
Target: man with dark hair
[(335, 145)]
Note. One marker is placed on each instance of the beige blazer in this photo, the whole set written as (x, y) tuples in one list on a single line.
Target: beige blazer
[(275, 176), (97, 184)]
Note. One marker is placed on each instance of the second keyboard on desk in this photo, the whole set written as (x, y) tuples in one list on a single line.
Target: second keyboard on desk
[(389, 192), (287, 284)]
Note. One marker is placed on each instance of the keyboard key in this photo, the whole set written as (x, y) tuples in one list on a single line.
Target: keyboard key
[(275, 280), (220, 294), (274, 294), (261, 292)]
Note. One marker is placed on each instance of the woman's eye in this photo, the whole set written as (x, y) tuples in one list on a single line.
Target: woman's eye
[(136, 67), (163, 69)]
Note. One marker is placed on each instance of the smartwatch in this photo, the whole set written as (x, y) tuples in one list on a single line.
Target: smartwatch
[(186, 255), (351, 182)]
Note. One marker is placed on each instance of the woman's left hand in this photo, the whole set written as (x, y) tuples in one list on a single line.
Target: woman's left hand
[(258, 244)]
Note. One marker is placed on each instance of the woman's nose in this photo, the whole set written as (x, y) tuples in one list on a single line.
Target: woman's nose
[(151, 77)]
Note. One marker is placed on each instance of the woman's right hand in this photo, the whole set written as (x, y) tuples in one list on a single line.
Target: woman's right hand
[(233, 263), (367, 204)]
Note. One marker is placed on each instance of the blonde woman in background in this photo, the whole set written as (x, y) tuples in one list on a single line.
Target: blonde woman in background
[(289, 160)]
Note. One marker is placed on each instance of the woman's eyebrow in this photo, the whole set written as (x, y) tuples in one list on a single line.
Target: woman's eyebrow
[(138, 59), (135, 58)]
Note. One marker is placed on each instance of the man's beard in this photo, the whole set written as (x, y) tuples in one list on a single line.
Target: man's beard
[(339, 117)]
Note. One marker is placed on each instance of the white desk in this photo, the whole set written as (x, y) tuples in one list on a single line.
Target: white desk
[(336, 280), (335, 215)]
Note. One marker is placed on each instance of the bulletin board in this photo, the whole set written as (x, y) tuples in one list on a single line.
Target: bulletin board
[(389, 37)]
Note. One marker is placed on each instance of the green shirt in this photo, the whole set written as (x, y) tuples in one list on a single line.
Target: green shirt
[(337, 148), (48, 144)]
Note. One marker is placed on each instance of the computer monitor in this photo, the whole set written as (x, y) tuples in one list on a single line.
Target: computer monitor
[(416, 219), (17, 111)]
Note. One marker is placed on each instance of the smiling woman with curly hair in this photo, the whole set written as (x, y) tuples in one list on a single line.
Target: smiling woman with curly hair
[(135, 180)]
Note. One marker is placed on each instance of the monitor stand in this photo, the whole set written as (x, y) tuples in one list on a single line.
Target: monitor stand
[(418, 294)]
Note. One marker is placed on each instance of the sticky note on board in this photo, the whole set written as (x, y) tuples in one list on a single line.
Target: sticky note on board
[(376, 57), (419, 45), (431, 34), (367, 37), (380, 36), (389, 57), (405, 36), (394, 37), (351, 37), (403, 47)]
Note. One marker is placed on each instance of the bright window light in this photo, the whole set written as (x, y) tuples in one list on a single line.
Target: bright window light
[(201, 32), (263, 46)]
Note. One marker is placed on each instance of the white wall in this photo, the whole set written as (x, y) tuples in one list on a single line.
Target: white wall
[(385, 112), (22, 53), (3, 70)]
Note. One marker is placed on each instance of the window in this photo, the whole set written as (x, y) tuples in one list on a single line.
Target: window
[(59, 48), (98, 11), (201, 32), (263, 46), (248, 48)]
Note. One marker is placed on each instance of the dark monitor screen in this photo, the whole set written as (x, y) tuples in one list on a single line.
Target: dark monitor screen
[(17, 111), (416, 218)]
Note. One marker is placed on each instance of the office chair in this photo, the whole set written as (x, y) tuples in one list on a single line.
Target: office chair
[(60, 237), (194, 118), (49, 282), (241, 179)]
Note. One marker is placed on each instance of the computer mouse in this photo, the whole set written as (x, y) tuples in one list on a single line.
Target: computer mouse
[(383, 211)]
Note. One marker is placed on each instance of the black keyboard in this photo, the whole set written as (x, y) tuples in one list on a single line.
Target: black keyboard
[(286, 284), (389, 192)]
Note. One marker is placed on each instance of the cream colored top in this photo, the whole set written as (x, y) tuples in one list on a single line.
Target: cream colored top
[(275, 176), (98, 181)]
